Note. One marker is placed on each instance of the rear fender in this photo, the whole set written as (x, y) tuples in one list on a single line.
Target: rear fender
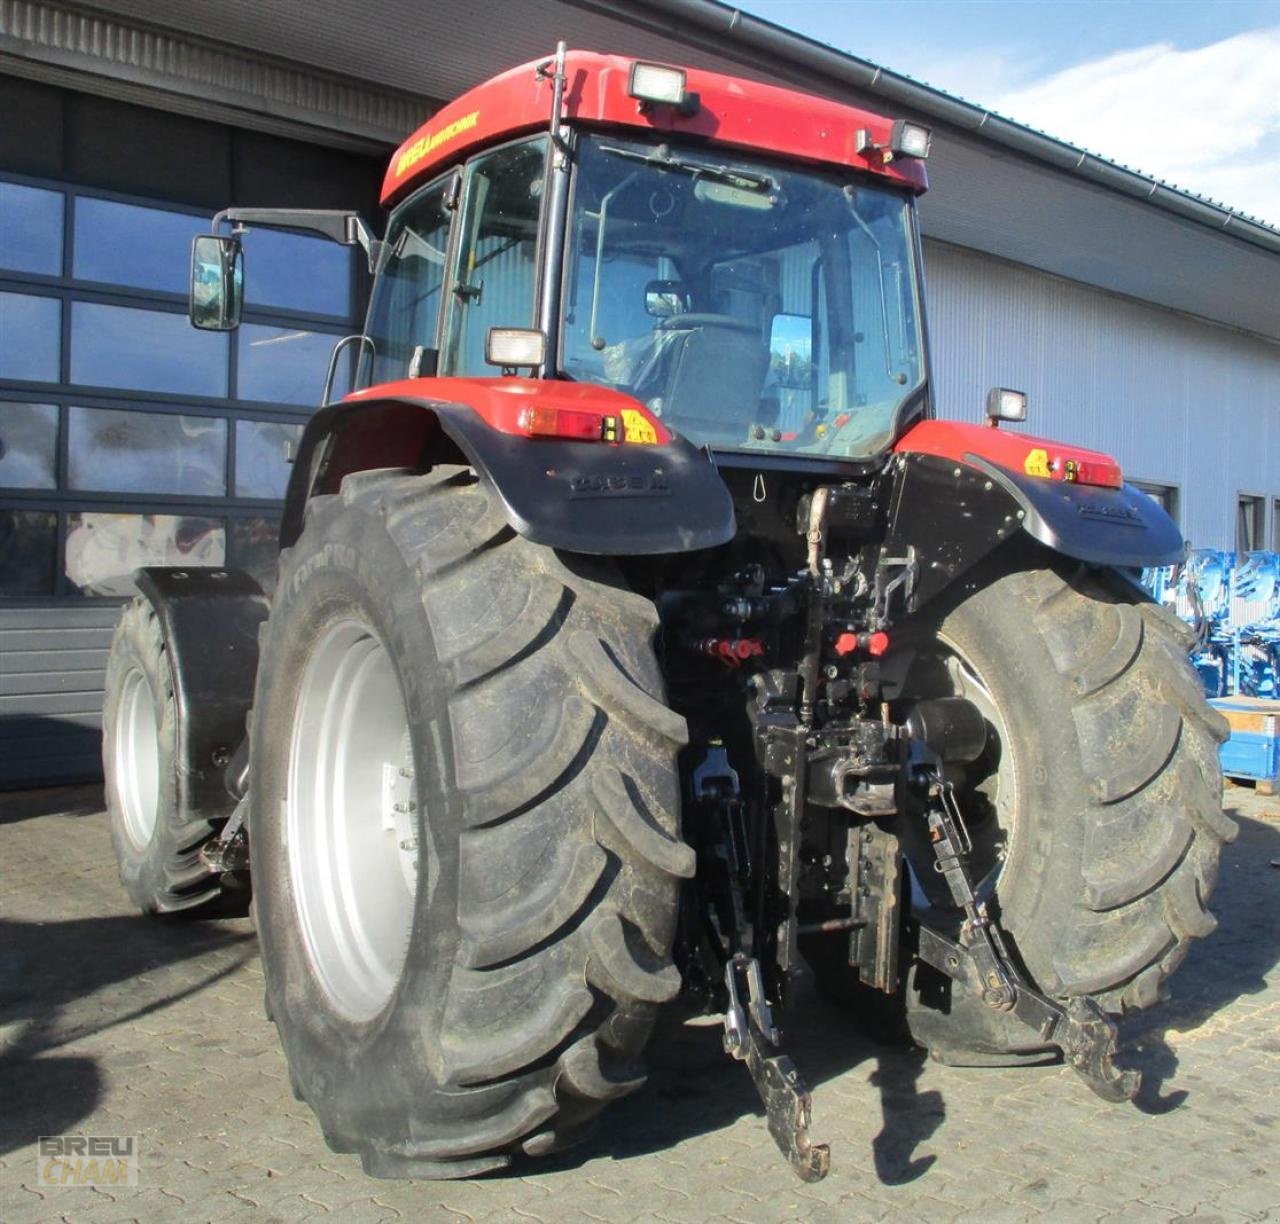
[(587, 497), (954, 511), (209, 620)]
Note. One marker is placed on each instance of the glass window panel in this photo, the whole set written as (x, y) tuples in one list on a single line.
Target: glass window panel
[(496, 269), (283, 365), (1250, 524), (30, 229), (28, 446), (30, 337), (1165, 496), (115, 451), (254, 545), (145, 350), (406, 296), (104, 549), (127, 244), (297, 273), (28, 551), (261, 467)]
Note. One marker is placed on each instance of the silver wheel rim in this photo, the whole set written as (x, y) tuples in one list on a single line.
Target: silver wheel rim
[(137, 758), (351, 822)]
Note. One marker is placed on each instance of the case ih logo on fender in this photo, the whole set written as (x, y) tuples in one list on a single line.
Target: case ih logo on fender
[(652, 484), (1121, 515)]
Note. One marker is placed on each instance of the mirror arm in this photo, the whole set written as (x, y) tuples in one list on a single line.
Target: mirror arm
[(346, 228)]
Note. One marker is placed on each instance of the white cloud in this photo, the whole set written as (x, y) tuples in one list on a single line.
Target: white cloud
[(1207, 119)]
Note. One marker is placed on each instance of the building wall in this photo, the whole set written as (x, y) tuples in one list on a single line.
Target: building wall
[(1177, 400), (126, 437)]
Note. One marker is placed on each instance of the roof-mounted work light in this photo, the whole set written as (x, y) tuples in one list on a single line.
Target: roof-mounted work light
[(906, 139), (651, 83), (910, 139)]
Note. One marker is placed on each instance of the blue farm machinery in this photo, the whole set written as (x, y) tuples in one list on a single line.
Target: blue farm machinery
[(1234, 606)]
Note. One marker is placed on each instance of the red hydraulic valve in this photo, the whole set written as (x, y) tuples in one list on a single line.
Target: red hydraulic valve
[(732, 651), (875, 644)]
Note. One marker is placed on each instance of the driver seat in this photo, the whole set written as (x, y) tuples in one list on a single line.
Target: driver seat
[(716, 367)]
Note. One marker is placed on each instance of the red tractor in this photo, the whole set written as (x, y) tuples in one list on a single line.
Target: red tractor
[(639, 632)]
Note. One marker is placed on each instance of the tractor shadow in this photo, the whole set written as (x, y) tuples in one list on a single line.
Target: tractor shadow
[(50, 973), (1231, 963), (695, 1089), (17, 806)]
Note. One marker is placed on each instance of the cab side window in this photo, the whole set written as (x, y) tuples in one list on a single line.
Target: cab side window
[(405, 307), (495, 277)]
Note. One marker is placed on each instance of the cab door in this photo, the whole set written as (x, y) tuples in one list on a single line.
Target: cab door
[(495, 272)]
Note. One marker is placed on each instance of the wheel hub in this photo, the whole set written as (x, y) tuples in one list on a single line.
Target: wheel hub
[(137, 758), (351, 819)]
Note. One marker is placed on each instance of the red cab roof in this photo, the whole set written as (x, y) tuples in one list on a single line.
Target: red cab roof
[(732, 112)]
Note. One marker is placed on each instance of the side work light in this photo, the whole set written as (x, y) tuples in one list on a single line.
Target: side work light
[(650, 83), (515, 347), (1004, 404)]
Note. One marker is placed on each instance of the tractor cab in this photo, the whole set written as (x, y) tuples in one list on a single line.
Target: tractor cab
[(746, 303), (741, 261)]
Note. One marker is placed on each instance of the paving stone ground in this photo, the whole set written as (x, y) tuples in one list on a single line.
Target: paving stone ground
[(115, 1024)]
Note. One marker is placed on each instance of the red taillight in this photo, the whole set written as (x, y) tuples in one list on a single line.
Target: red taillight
[(543, 422), (1084, 471), (1051, 464)]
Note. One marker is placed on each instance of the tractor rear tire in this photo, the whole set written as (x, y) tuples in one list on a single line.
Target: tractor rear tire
[(158, 853), (1108, 797), (478, 724)]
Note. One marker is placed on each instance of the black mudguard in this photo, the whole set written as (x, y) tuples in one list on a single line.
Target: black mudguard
[(955, 513), (585, 497), (209, 619)]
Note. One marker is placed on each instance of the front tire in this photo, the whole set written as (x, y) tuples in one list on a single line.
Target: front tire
[(476, 970), (157, 851)]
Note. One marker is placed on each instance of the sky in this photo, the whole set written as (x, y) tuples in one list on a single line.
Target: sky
[(1185, 90)]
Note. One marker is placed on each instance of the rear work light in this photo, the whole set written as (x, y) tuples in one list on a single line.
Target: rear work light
[(905, 140), (1005, 404), (650, 83), (910, 139), (514, 347)]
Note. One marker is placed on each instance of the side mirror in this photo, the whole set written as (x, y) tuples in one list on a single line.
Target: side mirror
[(664, 299), (791, 349), (217, 283), (1004, 404)]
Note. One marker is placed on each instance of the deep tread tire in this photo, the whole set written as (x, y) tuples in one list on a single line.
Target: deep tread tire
[(166, 874), (1118, 815), (545, 758)]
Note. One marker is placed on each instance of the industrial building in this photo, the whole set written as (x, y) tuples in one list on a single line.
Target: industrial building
[(1139, 319)]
